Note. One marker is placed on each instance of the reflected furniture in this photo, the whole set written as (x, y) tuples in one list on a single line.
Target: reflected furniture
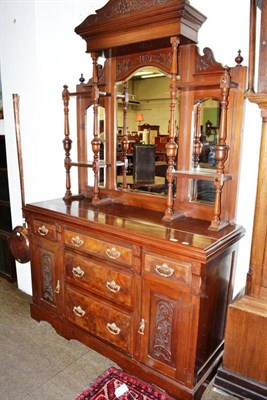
[(146, 287)]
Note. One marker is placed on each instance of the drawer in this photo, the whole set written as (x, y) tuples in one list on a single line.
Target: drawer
[(101, 279), (169, 269), (101, 248), (44, 229), (107, 323)]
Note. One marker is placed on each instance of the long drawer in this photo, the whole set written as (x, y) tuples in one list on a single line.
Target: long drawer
[(99, 247), (100, 319), (99, 278)]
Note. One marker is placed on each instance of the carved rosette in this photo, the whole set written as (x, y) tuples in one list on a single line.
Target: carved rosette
[(47, 269), (162, 348)]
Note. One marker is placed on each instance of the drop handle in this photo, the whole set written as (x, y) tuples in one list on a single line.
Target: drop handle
[(42, 230), (76, 241), (113, 286), (78, 272), (78, 311), (113, 328), (164, 270), (113, 253)]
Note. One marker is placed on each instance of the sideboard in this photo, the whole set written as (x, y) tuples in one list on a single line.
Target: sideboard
[(149, 296)]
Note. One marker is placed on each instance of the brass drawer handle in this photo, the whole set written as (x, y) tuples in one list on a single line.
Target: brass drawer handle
[(42, 230), (113, 253), (141, 329), (113, 328), (78, 311), (78, 272), (76, 241), (164, 270), (113, 287)]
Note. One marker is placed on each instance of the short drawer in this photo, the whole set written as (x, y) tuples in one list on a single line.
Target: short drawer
[(101, 279), (99, 319), (168, 269), (44, 229), (98, 247)]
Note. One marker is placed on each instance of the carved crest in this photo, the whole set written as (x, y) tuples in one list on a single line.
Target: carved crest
[(207, 62)]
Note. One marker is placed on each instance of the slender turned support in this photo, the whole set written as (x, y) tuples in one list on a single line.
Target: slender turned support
[(125, 141), (96, 143), (197, 145), (252, 46), (67, 142), (171, 146), (221, 153)]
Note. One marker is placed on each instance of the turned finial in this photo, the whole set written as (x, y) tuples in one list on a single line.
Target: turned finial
[(81, 79), (239, 59)]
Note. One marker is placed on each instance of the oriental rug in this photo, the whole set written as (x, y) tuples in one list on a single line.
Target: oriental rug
[(115, 384)]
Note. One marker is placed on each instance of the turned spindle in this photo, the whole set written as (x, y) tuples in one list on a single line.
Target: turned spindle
[(67, 142)]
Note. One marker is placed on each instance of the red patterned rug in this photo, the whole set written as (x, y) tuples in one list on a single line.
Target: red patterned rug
[(115, 384)]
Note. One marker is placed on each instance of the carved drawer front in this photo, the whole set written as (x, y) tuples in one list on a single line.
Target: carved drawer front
[(44, 230), (168, 269), (99, 319), (101, 248), (103, 280)]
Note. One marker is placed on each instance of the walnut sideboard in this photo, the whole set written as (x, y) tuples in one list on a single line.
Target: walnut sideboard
[(149, 296)]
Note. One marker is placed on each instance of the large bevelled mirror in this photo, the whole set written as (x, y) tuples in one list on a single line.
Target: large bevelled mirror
[(148, 114), (207, 117)]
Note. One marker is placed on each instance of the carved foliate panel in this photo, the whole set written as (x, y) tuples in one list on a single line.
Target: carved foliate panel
[(116, 8), (47, 267), (161, 346), (127, 65)]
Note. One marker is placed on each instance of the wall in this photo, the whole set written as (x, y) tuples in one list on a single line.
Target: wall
[(40, 52)]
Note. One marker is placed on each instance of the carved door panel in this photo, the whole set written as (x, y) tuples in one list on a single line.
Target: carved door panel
[(165, 343), (46, 274)]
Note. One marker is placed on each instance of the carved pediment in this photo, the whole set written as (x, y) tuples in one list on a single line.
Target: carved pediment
[(122, 22), (118, 7)]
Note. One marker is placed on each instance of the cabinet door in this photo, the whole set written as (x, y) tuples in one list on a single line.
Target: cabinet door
[(165, 330), (47, 274)]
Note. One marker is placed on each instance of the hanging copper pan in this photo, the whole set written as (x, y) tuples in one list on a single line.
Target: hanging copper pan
[(19, 240), (19, 244)]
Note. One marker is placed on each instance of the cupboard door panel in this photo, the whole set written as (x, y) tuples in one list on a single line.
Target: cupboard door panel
[(46, 274), (166, 341)]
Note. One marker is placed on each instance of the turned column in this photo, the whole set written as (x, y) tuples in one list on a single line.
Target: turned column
[(67, 142), (171, 146)]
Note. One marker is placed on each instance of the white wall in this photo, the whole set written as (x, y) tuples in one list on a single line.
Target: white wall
[(40, 52)]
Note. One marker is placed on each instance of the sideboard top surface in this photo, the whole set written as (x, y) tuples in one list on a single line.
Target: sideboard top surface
[(135, 223)]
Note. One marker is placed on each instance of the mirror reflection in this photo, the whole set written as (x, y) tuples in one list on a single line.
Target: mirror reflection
[(148, 113), (209, 124)]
